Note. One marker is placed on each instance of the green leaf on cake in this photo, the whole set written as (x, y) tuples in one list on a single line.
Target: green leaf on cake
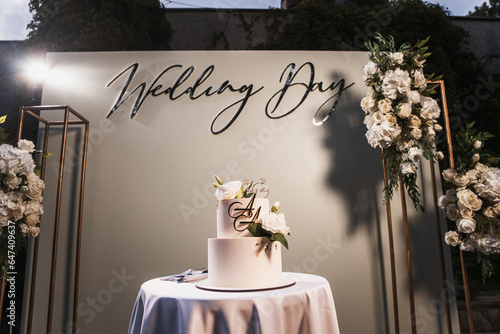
[(280, 238), (257, 230)]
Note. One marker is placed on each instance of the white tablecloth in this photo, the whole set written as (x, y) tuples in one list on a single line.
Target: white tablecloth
[(169, 307)]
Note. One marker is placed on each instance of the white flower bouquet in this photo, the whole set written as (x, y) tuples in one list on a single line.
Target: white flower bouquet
[(400, 116), (271, 225), (472, 200), (21, 189), (20, 198)]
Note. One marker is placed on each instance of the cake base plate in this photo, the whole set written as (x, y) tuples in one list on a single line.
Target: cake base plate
[(204, 285)]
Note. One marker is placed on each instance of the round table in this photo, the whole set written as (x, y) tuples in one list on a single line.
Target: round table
[(170, 307)]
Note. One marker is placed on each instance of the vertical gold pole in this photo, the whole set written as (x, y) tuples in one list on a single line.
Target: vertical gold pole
[(391, 252), (80, 213), (440, 248), (36, 244), (408, 258), (468, 305), (56, 225), (465, 278)]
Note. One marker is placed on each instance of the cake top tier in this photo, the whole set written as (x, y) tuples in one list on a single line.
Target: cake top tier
[(243, 211)]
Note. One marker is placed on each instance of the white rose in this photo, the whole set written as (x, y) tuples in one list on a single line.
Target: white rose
[(466, 225), (32, 219), (472, 175), (35, 186), (415, 122), (404, 110), (452, 212), (367, 104), (33, 207), (461, 180), (416, 133), (488, 245), (274, 223), (26, 145), (468, 246), (391, 119), (449, 174), (385, 105), (228, 190), (466, 212), (467, 198), (414, 96), (430, 108), (451, 238)]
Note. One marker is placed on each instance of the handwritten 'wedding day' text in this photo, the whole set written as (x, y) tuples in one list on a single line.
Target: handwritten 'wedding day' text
[(292, 89)]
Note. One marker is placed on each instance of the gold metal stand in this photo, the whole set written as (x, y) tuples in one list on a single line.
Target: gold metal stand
[(439, 237), (65, 123), (470, 318)]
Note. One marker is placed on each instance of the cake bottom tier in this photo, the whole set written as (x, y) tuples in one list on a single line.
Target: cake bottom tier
[(249, 262)]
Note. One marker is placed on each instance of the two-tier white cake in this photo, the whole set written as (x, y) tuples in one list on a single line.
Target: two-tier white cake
[(238, 260)]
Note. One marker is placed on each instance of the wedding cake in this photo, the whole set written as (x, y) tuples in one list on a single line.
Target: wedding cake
[(247, 251)]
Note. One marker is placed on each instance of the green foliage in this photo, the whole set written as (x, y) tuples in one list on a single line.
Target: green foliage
[(487, 10), (98, 25), (464, 146)]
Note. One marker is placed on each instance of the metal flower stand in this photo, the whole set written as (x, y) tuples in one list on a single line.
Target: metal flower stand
[(70, 119), (441, 86)]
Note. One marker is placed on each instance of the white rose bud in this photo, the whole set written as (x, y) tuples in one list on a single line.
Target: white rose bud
[(476, 157), (440, 155), (478, 144), (438, 128)]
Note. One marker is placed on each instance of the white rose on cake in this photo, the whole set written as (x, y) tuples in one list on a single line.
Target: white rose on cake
[(228, 190), (274, 223)]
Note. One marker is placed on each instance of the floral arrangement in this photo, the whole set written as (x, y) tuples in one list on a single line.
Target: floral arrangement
[(21, 189), (271, 225), (472, 198), (400, 116)]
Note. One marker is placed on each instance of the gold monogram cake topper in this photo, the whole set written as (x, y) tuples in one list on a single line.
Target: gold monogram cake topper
[(259, 188)]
